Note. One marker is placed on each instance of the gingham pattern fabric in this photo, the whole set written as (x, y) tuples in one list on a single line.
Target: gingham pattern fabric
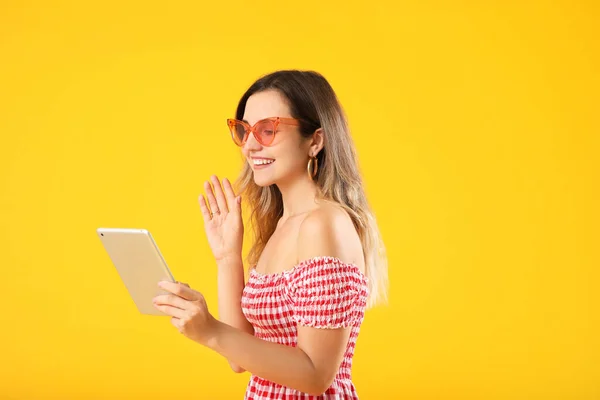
[(321, 292)]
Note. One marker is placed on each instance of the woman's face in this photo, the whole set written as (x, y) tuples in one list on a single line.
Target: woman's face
[(288, 151)]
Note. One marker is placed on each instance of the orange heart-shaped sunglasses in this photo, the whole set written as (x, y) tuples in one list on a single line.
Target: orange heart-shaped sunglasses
[(264, 130)]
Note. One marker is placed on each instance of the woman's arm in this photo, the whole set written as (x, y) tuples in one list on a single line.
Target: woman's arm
[(230, 282), (309, 368)]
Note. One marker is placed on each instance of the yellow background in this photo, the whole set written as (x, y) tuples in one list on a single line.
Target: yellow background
[(477, 130)]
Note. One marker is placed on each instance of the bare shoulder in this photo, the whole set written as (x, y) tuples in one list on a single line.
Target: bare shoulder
[(328, 231), (327, 218)]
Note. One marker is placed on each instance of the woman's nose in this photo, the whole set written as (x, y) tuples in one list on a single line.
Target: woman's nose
[(251, 144)]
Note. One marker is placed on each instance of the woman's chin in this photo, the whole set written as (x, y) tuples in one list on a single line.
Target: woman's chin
[(262, 182)]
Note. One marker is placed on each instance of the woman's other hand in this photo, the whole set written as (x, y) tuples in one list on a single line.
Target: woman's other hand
[(223, 221)]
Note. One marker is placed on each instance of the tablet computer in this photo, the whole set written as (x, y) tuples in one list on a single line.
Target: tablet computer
[(140, 264)]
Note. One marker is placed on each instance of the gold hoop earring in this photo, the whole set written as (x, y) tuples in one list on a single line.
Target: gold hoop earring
[(312, 171)]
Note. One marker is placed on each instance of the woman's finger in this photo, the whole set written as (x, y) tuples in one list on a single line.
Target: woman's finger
[(176, 322), (221, 201), (170, 310), (170, 300), (204, 209), (180, 290), (229, 193), (212, 202)]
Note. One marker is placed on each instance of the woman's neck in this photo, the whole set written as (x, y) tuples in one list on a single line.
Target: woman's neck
[(299, 197)]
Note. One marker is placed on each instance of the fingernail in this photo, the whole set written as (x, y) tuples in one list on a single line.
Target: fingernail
[(161, 284)]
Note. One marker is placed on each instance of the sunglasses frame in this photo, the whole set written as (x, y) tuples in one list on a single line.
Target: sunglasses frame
[(276, 121)]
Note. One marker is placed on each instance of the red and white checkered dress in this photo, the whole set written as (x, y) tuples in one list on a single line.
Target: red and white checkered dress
[(321, 292)]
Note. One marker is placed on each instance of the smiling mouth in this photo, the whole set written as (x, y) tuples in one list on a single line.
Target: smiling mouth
[(261, 162)]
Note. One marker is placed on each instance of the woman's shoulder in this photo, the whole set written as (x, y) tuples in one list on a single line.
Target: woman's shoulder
[(328, 217), (329, 231), (328, 224)]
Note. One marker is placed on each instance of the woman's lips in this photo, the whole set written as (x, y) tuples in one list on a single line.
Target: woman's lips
[(262, 164)]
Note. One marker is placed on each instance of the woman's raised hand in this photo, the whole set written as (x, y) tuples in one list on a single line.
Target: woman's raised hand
[(223, 221)]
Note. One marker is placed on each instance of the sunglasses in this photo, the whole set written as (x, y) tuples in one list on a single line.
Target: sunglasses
[(264, 130)]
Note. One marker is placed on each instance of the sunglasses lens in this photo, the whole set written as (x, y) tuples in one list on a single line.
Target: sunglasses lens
[(265, 131), (237, 132)]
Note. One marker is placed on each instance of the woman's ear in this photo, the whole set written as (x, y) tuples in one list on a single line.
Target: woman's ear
[(317, 143)]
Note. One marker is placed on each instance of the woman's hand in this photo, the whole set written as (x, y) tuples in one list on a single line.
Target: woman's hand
[(188, 311), (223, 222)]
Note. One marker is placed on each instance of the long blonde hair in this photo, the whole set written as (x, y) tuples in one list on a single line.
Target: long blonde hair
[(313, 101)]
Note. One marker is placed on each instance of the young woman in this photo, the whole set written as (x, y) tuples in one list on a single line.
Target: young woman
[(317, 260)]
